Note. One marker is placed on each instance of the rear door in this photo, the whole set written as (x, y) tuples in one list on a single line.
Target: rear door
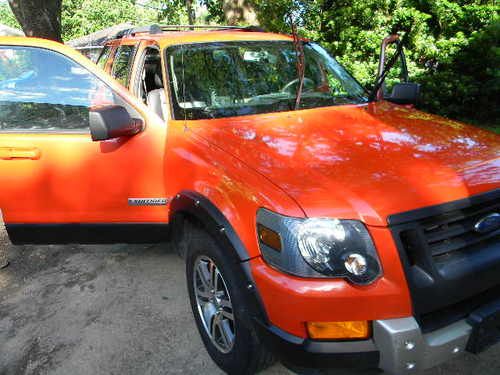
[(56, 184)]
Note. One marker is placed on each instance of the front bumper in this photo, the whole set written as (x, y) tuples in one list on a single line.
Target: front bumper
[(297, 352), (405, 349), (398, 347)]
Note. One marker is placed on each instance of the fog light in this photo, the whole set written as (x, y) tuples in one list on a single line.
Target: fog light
[(355, 264), (358, 329)]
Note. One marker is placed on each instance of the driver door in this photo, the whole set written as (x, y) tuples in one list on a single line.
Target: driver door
[(56, 184)]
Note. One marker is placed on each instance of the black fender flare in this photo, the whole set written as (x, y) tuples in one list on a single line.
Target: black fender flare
[(198, 206)]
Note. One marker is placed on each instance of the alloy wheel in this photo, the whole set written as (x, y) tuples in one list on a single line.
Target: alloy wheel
[(214, 304)]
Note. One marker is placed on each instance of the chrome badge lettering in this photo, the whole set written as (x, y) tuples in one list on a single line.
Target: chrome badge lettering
[(147, 201)]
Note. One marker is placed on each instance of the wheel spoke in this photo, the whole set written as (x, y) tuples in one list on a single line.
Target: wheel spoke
[(204, 275), (215, 324), (226, 332), (213, 276), (209, 313), (214, 304), (228, 315), (203, 294)]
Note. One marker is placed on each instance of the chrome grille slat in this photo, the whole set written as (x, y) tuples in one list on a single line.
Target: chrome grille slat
[(461, 243), (454, 231), (452, 217)]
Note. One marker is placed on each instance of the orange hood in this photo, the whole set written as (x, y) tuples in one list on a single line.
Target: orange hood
[(362, 162)]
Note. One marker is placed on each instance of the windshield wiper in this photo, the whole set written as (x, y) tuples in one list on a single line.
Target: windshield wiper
[(381, 78)]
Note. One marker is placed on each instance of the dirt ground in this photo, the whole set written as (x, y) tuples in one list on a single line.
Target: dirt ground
[(119, 310)]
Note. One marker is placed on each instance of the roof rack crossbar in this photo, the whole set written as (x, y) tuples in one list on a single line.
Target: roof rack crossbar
[(157, 29), (201, 27)]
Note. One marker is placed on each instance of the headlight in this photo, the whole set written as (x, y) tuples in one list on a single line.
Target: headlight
[(318, 247)]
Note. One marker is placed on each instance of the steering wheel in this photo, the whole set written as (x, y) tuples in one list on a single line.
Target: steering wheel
[(307, 82)]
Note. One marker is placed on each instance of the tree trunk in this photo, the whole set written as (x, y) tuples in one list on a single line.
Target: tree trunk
[(39, 18), (190, 12)]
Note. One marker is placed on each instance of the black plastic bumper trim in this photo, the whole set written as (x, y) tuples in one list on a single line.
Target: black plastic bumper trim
[(297, 352)]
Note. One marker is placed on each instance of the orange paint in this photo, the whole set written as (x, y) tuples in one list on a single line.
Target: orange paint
[(361, 162)]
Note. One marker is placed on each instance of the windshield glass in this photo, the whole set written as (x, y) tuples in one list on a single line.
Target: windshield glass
[(213, 80)]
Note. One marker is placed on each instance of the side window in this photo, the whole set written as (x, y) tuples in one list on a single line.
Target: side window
[(151, 76), (122, 64), (45, 90), (103, 57)]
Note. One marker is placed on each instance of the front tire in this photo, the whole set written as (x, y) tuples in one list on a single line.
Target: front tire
[(221, 307)]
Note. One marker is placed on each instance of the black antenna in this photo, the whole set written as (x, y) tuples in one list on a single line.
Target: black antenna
[(299, 52), (184, 86)]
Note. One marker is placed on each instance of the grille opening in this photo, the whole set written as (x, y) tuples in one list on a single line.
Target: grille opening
[(410, 242), (454, 231), (446, 260)]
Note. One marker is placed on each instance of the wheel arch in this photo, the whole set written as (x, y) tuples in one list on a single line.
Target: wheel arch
[(189, 205)]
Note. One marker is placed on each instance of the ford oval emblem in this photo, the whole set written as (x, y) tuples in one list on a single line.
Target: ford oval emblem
[(488, 223)]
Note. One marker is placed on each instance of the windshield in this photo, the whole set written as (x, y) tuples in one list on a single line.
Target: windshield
[(214, 80)]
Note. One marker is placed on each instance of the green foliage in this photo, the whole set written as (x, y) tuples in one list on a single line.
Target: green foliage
[(451, 46), (81, 17), (467, 84), (6, 16)]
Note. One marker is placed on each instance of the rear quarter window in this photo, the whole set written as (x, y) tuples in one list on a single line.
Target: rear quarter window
[(122, 64), (103, 57)]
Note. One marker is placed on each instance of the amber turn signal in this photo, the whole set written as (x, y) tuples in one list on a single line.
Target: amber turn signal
[(269, 237), (356, 329)]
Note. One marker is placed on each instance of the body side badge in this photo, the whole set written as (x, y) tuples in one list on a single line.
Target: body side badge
[(148, 201)]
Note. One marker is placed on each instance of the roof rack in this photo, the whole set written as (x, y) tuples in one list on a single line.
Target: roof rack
[(158, 29)]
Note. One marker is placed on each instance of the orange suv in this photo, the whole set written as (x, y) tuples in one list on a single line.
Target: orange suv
[(321, 225)]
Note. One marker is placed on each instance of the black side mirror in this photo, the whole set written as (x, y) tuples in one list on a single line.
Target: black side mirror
[(112, 121), (405, 93)]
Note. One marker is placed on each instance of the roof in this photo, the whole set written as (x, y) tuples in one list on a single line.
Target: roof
[(166, 35)]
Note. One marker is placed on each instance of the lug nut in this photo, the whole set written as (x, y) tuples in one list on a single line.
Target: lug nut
[(409, 345), (410, 365)]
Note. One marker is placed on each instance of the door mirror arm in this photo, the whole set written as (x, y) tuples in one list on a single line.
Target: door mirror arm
[(112, 121), (404, 92)]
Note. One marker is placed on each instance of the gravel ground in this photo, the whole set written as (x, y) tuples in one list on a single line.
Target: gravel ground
[(117, 309)]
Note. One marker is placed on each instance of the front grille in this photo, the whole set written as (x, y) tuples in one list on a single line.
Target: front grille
[(448, 264), (454, 231)]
